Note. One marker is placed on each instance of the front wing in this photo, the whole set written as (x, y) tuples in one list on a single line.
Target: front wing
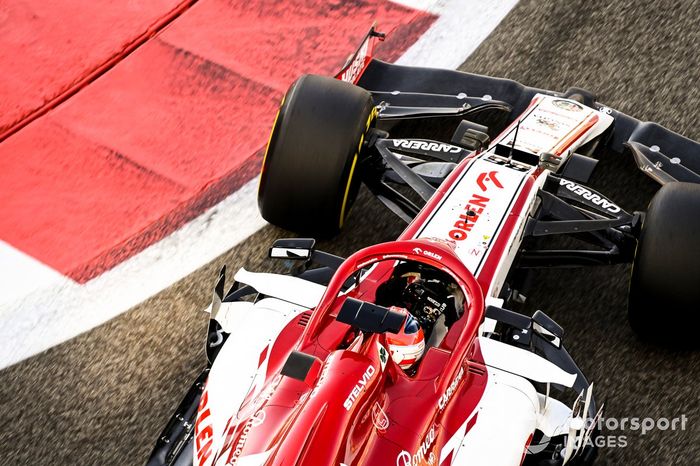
[(661, 153)]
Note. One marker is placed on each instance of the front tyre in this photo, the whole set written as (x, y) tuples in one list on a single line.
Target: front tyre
[(664, 294), (309, 178)]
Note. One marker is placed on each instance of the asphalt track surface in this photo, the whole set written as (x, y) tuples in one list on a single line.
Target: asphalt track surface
[(103, 397)]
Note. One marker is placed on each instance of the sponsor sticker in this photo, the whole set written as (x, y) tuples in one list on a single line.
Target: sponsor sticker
[(379, 417), (588, 195), (490, 177), (383, 355), (203, 430), (467, 219), (428, 146), (423, 454), (359, 386), (548, 125), (445, 398), (428, 253), (352, 72), (567, 105), (474, 209), (238, 449)]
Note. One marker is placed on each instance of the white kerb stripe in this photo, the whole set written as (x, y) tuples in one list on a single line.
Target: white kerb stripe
[(20, 274), (63, 309), (461, 26)]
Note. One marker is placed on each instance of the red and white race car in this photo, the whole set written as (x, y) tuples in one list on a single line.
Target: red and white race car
[(406, 353)]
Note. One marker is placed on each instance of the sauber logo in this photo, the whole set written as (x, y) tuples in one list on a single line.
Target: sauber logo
[(474, 207), (490, 176), (429, 146), (406, 459), (590, 196), (366, 377), (379, 417)]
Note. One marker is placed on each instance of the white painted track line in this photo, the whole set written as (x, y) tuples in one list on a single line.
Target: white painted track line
[(461, 26), (42, 308), (20, 274), (65, 309)]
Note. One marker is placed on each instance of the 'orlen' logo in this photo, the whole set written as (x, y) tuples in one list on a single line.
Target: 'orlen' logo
[(425, 252), (490, 177), (466, 221), (359, 386), (474, 207), (203, 431)]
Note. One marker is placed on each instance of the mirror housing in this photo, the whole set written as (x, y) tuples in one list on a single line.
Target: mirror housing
[(549, 161), (292, 248)]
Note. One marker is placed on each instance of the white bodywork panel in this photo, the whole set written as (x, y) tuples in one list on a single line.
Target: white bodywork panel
[(285, 287), (235, 371), (506, 417), (557, 126), (554, 417), (516, 237), (523, 363), (509, 411), (482, 195), (551, 124)]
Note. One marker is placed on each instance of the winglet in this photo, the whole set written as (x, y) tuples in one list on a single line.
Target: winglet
[(218, 293)]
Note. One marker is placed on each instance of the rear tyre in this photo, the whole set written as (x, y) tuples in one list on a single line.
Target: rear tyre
[(309, 178), (664, 294)]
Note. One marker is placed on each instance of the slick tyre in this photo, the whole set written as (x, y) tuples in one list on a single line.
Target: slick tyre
[(309, 178), (664, 294)]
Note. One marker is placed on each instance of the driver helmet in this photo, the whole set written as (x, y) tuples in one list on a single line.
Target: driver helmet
[(407, 346)]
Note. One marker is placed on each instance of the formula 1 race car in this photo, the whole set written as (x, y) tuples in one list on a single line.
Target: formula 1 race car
[(410, 352)]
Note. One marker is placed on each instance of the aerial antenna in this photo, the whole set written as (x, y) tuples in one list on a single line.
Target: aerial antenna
[(512, 146)]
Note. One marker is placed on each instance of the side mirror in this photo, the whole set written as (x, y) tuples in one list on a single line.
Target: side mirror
[(292, 248), (549, 161)]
